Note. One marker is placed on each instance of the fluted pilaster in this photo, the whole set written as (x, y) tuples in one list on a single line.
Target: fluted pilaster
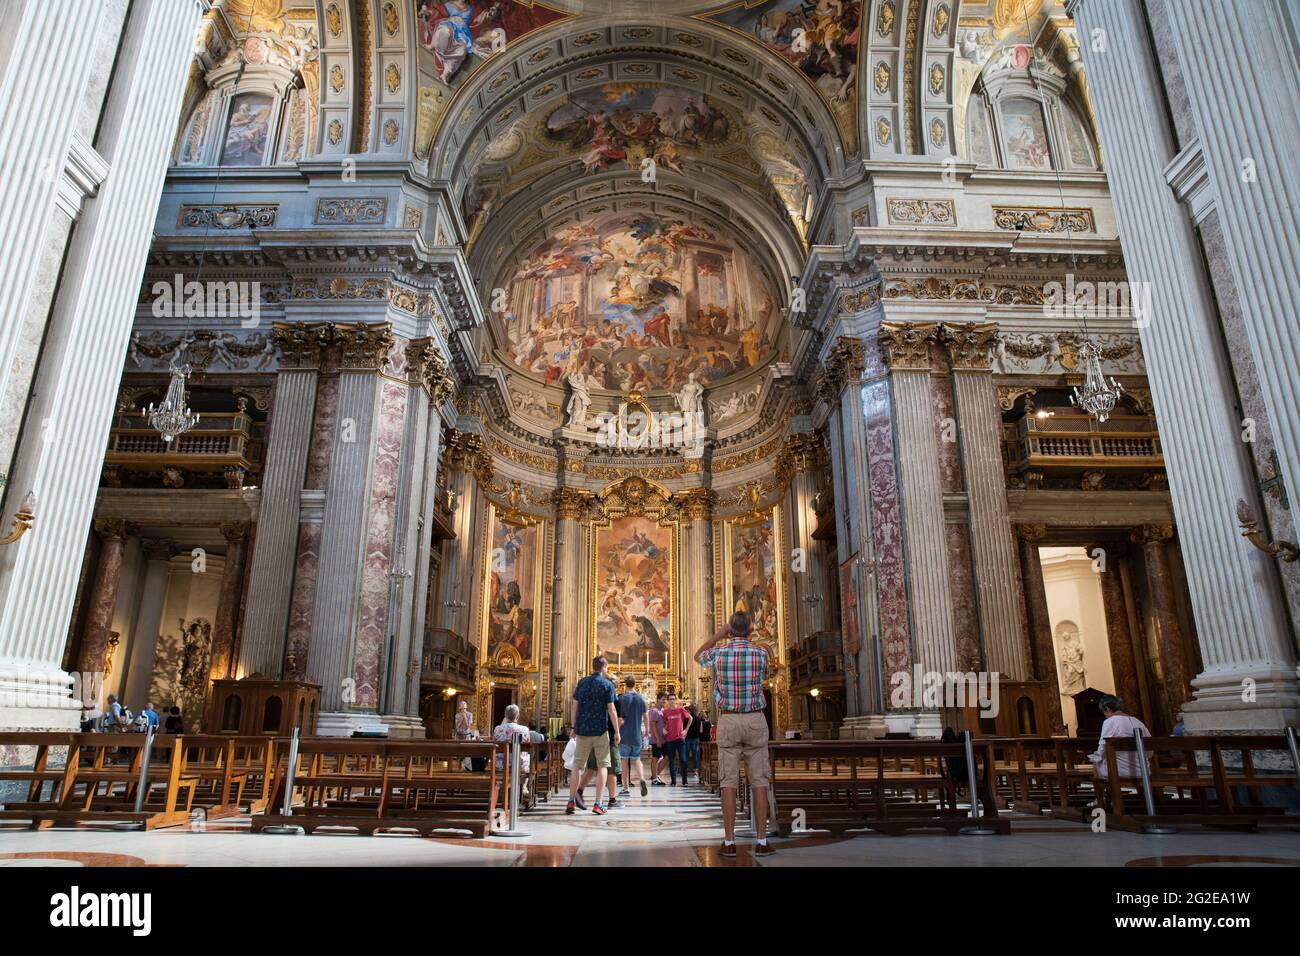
[(1241, 620), (572, 620)]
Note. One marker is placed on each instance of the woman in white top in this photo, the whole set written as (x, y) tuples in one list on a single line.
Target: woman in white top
[(1117, 724), (464, 727)]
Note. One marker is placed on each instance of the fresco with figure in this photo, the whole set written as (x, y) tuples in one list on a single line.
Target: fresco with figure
[(512, 586), (819, 37), (633, 591), (626, 123), (754, 578), (458, 35), (637, 302)]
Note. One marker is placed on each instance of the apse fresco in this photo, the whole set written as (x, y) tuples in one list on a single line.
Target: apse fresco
[(753, 578), (512, 585), (819, 37), (458, 35), (1024, 135), (623, 123), (246, 133), (633, 594), (637, 301)]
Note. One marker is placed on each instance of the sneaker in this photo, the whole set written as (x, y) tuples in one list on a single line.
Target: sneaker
[(613, 802), (657, 783), (598, 810), (579, 801), (764, 849), (729, 851), (625, 792), (644, 789), (570, 808)]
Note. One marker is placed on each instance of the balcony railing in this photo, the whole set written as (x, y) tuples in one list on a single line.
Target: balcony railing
[(448, 659), (1061, 441), (817, 661), (229, 444)]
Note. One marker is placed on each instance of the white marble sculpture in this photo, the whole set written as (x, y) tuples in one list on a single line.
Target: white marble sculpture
[(579, 402)]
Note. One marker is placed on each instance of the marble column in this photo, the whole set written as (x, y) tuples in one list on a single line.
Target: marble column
[(226, 620), (270, 586), (809, 592), (979, 428), (346, 695), (1119, 636), (906, 348), (696, 610), (1236, 596), (1154, 542), (69, 413), (148, 618), (1040, 621), (465, 453), (103, 596), (569, 631), (1246, 110)]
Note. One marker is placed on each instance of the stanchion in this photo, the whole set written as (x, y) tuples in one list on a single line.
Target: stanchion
[(287, 808), (141, 784), (1152, 828), (516, 764), (976, 828)]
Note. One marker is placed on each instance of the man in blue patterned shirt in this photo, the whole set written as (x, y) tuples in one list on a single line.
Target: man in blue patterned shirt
[(590, 712), (740, 667)]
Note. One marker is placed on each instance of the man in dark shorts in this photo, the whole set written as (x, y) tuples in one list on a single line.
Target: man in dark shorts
[(590, 712), (658, 745)]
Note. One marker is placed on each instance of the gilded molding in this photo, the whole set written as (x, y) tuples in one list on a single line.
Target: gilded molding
[(571, 504), (906, 345), (1040, 219), (967, 290), (921, 212), (300, 344), (365, 346), (696, 504), (1152, 534), (970, 345), (844, 363), (426, 362), (1033, 533)]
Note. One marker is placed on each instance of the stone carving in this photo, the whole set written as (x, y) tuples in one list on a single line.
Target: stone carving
[(906, 345), (970, 345), (300, 344), (364, 346), (690, 399), (921, 212), (228, 217), (579, 402), (737, 403), (1070, 653), (199, 349), (349, 212), (1038, 219)]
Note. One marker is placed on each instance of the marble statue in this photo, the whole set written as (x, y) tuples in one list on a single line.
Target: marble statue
[(580, 401), (691, 397)]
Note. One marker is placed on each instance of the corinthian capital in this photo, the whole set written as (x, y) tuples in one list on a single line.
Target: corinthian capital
[(906, 345), (696, 504), (571, 504), (365, 346), (970, 344), (300, 343), (844, 363)]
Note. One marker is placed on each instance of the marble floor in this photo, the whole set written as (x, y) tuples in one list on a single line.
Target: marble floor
[(670, 827)]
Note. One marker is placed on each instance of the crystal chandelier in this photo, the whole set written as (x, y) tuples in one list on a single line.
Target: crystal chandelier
[(173, 417), (1098, 395)]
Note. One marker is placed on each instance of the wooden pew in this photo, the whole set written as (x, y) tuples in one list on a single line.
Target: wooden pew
[(886, 785), (1201, 781), (377, 785), (232, 772), (98, 780)]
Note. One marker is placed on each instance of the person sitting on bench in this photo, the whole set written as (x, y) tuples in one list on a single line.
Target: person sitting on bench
[(1117, 724)]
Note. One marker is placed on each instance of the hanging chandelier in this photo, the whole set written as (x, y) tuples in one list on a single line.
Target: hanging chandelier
[(173, 417), (1098, 395)]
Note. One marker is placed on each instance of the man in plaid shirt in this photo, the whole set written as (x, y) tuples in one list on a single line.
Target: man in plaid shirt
[(739, 667)]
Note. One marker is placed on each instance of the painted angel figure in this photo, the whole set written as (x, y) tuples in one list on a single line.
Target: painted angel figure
[(580, 400)]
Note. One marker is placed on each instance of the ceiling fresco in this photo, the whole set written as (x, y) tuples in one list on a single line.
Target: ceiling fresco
[(637, 301)]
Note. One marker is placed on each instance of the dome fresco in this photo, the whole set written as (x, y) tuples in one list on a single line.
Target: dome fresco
[(637, 301)]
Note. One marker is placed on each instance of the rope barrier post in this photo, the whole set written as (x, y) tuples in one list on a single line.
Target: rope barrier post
[(286, 809), (516, 766), (976, 828), (141, 784), (1152, 828)]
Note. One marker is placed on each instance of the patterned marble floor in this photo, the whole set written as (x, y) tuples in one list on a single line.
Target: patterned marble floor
[(670, 827)]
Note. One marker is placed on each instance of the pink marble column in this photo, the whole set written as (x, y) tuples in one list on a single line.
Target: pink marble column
[(227, 616), (1119, 636), (103, 596), (1040, 621), (1154, 540)]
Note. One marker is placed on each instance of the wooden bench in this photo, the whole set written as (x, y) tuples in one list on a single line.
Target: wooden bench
[(98, 780), (890, 786), (378, 785), (1196, 782), (233, 773)]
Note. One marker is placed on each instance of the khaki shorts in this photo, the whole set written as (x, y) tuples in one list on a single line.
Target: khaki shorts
[(597, 746), (742, 734)]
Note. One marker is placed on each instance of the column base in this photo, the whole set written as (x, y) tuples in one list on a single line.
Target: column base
[(928, 726), (1217, 705), (341, 723), (863, 727), (35, 700), (404, 726)]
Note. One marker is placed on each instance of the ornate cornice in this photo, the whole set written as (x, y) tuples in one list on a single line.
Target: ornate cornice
[(906, 345), (970, 345)]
